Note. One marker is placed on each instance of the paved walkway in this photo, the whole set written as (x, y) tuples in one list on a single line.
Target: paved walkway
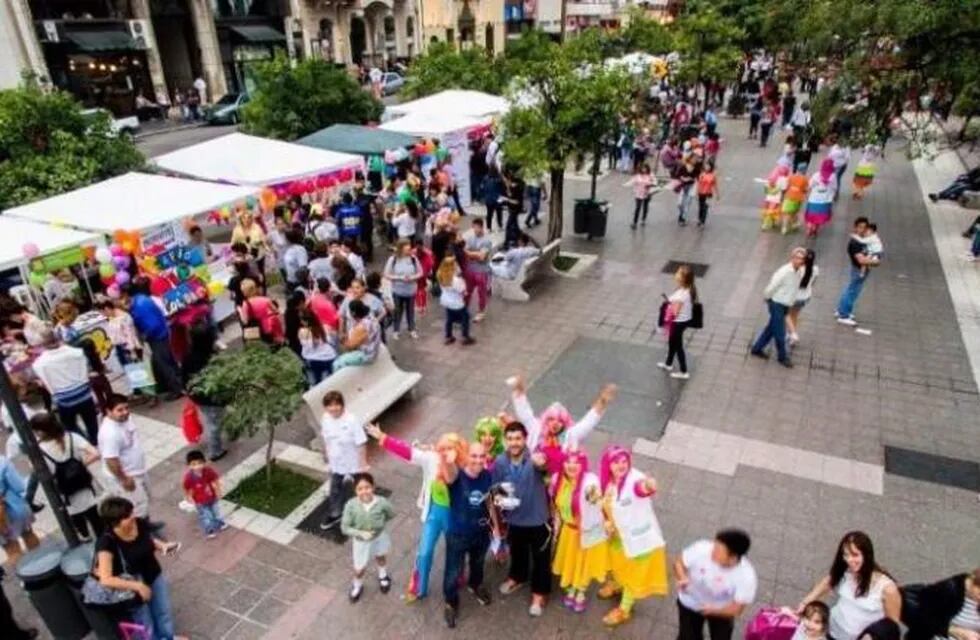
[(810, 442)]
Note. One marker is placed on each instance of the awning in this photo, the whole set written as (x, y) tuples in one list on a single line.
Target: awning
[(103, 40), (352, 138), (258, 33)]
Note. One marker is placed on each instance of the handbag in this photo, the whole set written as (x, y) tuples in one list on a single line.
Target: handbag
[(771, 624), (662, 313), (98, 596), (697, 316), (139, 375)]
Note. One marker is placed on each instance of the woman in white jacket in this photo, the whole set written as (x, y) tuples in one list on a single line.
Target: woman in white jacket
[(433, 499)]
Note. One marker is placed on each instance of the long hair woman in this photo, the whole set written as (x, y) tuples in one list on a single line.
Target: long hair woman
[(803, 295), (680, 310)]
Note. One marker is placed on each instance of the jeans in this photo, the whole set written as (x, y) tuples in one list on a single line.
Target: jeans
[(341, 490), (455, 196), (764, 131), (318, 370), (88, 523), (684, 201), (839, 172), (480, 282), (850, 294), (975, 246), (534, 200), (211, 421), (156, 616), (460, 317), (404, 305), (164, 366), (774, 330), (754, 123), (703, 208), (691, 625), (513, 228), (89, 415), (209, 518), (458, 546), (436, 523), (31, 489), (675, 345), (642, 205), (491, 208), (530, 556)]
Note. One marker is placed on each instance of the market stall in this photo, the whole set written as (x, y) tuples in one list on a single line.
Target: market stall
[(457, 102), (454, 133), (371, 142)]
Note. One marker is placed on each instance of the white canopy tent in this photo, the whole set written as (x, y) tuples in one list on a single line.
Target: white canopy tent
[(451, 131), (134, 201), (475, 104), (249, 160), (16, 233)]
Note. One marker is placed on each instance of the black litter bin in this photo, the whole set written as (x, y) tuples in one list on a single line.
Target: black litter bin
[(39, 572), (583, 207), (595, 222), (77, 565)]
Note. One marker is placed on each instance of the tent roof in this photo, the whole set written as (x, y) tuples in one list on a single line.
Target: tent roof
[(134, 201), (352, 138), (431, 124), (15, 233), (249, 160), (474, 104)]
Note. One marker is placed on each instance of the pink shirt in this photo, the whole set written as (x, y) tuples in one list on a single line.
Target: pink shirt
[(324, 310), (267, 314), (641, 185)]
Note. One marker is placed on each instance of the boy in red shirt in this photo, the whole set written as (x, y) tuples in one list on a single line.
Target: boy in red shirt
[(202, 486), (707, 188)]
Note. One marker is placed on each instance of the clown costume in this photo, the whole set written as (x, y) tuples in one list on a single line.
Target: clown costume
[(581, 552), (637, 551), (489, 432), (554, 431), (433, 500), (864, 174), (820, 202), (796, 188), (773, 189)]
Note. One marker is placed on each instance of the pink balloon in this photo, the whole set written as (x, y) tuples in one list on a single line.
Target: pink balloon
[(116, 250), (30, 250), (122, 277)]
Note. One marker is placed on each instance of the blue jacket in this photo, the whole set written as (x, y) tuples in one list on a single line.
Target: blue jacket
[(349, 220), (148, 318), (529, 486)]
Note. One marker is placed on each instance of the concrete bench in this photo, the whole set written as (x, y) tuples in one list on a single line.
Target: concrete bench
[(368, 390), (532, 268), (970, 200)]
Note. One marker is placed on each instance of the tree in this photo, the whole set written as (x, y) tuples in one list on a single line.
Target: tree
[(710, 47), (564, 103), (641, 33), (442, 67), (48, 146), (259, 387), (293, 101)]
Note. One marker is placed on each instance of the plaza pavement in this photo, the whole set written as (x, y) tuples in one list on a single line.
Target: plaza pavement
[(796, 457)]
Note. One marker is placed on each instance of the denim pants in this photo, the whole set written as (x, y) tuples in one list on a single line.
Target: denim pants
[(156, 615), (209, 518), (642, 206), (211, 420), (534, 200), (684, 201), (839, 172), (460, 317), (975, 247), (774, 330), (318, 370), (491, 208), (436, 523), (458, 546), (850, 294), (165, 368), (87, 412), (513, 229), (404, 305)]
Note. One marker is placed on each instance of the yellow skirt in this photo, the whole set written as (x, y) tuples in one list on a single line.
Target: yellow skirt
[(643, 576), (577, 567)]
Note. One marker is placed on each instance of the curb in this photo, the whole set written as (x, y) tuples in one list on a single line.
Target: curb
[(157, 132)]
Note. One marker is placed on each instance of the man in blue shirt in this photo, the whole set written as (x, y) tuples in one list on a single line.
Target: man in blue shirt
[(349, 216), (470, 513), (527, 530), (151, 322)]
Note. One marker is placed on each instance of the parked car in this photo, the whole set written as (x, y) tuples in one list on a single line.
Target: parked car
[(227, 110), (392, 83), (128, 126)]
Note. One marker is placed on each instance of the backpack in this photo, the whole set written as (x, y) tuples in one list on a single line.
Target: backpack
[(70, 475)]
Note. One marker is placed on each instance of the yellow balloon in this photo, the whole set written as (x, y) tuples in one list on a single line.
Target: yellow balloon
[(216, 288)]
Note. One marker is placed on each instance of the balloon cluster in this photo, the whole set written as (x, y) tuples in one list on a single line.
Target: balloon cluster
[(270, 196), (115, 260)]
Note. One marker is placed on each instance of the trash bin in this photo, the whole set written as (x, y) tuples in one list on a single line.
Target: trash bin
[(39, 572), (76, 564), (595, 222), (580, 214)]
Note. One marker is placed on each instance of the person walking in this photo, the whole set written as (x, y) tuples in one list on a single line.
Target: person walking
[(452, 299), (678, 315), (686, 177), (770, 114), (203, 339), (63, 370), (123, 457), (803, 295), (152, 325), (477, 247), (840, 155), (820, 199), (404, 271), (857, 252), (642, 182), (493, 188), (866, 594), (343, 447), (780, 295), (16, 516), (707, 189)]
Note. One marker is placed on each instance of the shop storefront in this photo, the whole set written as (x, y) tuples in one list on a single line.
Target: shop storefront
[(243, 45)]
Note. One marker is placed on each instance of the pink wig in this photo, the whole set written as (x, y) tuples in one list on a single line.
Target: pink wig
[(826, 170), (780, 171), (556, 411), (559, 478), (611, 454)]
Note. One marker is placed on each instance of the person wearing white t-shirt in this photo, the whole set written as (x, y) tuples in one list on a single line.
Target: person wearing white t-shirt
[(715, 583), (123, 459), (678, 316), (344, 443)]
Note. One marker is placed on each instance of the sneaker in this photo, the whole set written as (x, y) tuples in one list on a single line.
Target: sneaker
[(449, 340), (643, 223), (680, 375), (219, 456), (37, 508), (481, 594), (355, 592), (793, 339), (665, 366), (759, 354), (384, 584), (224, 526), (449, 615), (633, 227), (579, 605), (850, 322), (220, 345), (395, 335), (509, 586), (479, 317), (682, 223), (212, 535), (468, 341), (535, 610), (414, 335), (568, 601), (787, 363), (329, 524)]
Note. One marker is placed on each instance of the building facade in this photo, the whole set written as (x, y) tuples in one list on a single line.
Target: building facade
[(465, 23)]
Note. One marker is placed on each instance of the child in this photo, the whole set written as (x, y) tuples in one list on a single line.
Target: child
[(364, 520), (873, 245), (813, 622), (202, 487), (864, 174), (121, 331), (796, 188), (427, 260), (707, 188), (451, 298)]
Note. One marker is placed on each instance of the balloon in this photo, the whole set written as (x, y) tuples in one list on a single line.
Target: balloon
[(121, 262), (129, 246), (194, 258), (321, 182), (216, 288), (149, 265), (183, 272), (109, 280), (103, 255), (441, 153), (122, 277), (430, 146), (89, 252), (268, 198), (106, 270), (30, 250), (346, 175), (159, 286), (37, 279), (113, 291), (116, 250), (118, 236), (419, 149), (331, 182), (281, 192), (250, 202), (309, 186), (225, 214)]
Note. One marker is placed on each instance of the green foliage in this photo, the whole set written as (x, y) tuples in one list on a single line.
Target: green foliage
[(710, 46), (641, 33), (442, 67), (48, 147), (278, 496), (293, 101), (259, 388)]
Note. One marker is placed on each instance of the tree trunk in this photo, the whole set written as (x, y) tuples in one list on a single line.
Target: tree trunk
[(556, 216), (268, 456), (596, 163), (961, 136)]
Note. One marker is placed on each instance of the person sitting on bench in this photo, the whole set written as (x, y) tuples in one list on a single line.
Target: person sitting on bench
[(507, 264)]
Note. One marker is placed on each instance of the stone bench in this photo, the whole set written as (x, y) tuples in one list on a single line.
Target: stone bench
[(532, 268)]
